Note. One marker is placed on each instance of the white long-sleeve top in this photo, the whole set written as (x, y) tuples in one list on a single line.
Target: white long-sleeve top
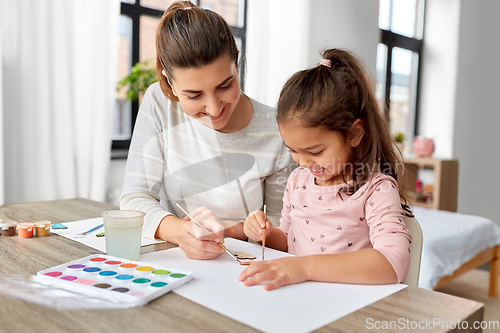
[(174, 158)]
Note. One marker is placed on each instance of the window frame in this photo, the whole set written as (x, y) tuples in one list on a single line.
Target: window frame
[(391, 40), (120, 148)]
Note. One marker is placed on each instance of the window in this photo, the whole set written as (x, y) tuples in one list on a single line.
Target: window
[(137, 27), (398, 63)]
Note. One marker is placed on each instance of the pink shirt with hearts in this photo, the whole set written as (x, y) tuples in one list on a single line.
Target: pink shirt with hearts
[(316, 220)]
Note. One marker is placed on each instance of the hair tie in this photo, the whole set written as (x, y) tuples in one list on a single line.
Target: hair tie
[(187, 8), (326, 62)]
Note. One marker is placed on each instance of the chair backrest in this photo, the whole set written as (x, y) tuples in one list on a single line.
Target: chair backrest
[(413, 226)]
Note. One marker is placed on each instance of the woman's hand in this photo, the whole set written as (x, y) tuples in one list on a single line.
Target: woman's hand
[(201, 243), (254, 224), (280, 272)]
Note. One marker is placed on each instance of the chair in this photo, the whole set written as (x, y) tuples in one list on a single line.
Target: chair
[(413, 226)]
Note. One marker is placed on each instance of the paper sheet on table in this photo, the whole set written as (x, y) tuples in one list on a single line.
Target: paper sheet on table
[(91, 240), (301, 307)]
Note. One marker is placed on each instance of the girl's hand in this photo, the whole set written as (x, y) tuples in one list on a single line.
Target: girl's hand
[(254, 224), (199, 243), (280, 272)]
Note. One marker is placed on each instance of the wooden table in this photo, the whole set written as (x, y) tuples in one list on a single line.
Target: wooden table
[(171, 312)]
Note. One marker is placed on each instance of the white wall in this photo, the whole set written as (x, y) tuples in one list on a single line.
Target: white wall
[(459, 88), (344, 24), (476, 140)]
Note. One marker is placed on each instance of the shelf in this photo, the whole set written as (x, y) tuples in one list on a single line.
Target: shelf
[(427, 161), (445, 192), (421, 204), (415, 202)]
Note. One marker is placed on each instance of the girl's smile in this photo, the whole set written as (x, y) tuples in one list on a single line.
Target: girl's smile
[(318, 172), (324, 152)]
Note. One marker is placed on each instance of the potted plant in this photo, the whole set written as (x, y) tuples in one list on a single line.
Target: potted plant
[(141, 76), (399, 141)]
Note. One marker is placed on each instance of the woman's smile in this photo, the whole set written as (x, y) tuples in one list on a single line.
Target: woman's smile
[(216, 117)]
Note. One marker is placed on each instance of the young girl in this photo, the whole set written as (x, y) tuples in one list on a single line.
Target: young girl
[(342, 213), (199, 141)]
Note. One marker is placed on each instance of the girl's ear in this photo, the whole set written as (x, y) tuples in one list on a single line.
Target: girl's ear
[(357, 133)]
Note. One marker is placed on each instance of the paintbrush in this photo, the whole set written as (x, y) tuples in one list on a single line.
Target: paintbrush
[(208, 232), (264, 235)]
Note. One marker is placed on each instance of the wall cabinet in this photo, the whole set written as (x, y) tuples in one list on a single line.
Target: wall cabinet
[(445, 187)]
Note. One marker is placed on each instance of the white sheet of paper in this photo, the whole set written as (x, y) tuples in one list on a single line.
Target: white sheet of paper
[(91, 240), (301, 307)]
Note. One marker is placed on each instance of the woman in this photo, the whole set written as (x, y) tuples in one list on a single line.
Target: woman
[(200, 142)]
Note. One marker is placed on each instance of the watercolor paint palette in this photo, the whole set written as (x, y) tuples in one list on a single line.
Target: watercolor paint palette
[(115, 279)]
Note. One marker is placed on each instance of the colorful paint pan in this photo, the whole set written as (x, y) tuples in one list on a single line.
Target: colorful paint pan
[(75, 268), (104, 275), (112, 264), (128, 267), (98, 261), (140, 283), (138, 293), (69, 278), (144, 271), (115, 279), (87, 282), (102, 285), (123, 280), (124, 277), (177, 275), (91, 271), (160, 272)]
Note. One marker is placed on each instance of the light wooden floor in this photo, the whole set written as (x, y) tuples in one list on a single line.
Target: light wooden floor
[(474, 285)]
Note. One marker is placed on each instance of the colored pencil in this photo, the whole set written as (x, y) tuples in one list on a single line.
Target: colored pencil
[(93, 229)]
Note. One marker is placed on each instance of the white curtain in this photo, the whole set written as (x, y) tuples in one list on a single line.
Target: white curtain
[(60, 61), (277, 45)]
